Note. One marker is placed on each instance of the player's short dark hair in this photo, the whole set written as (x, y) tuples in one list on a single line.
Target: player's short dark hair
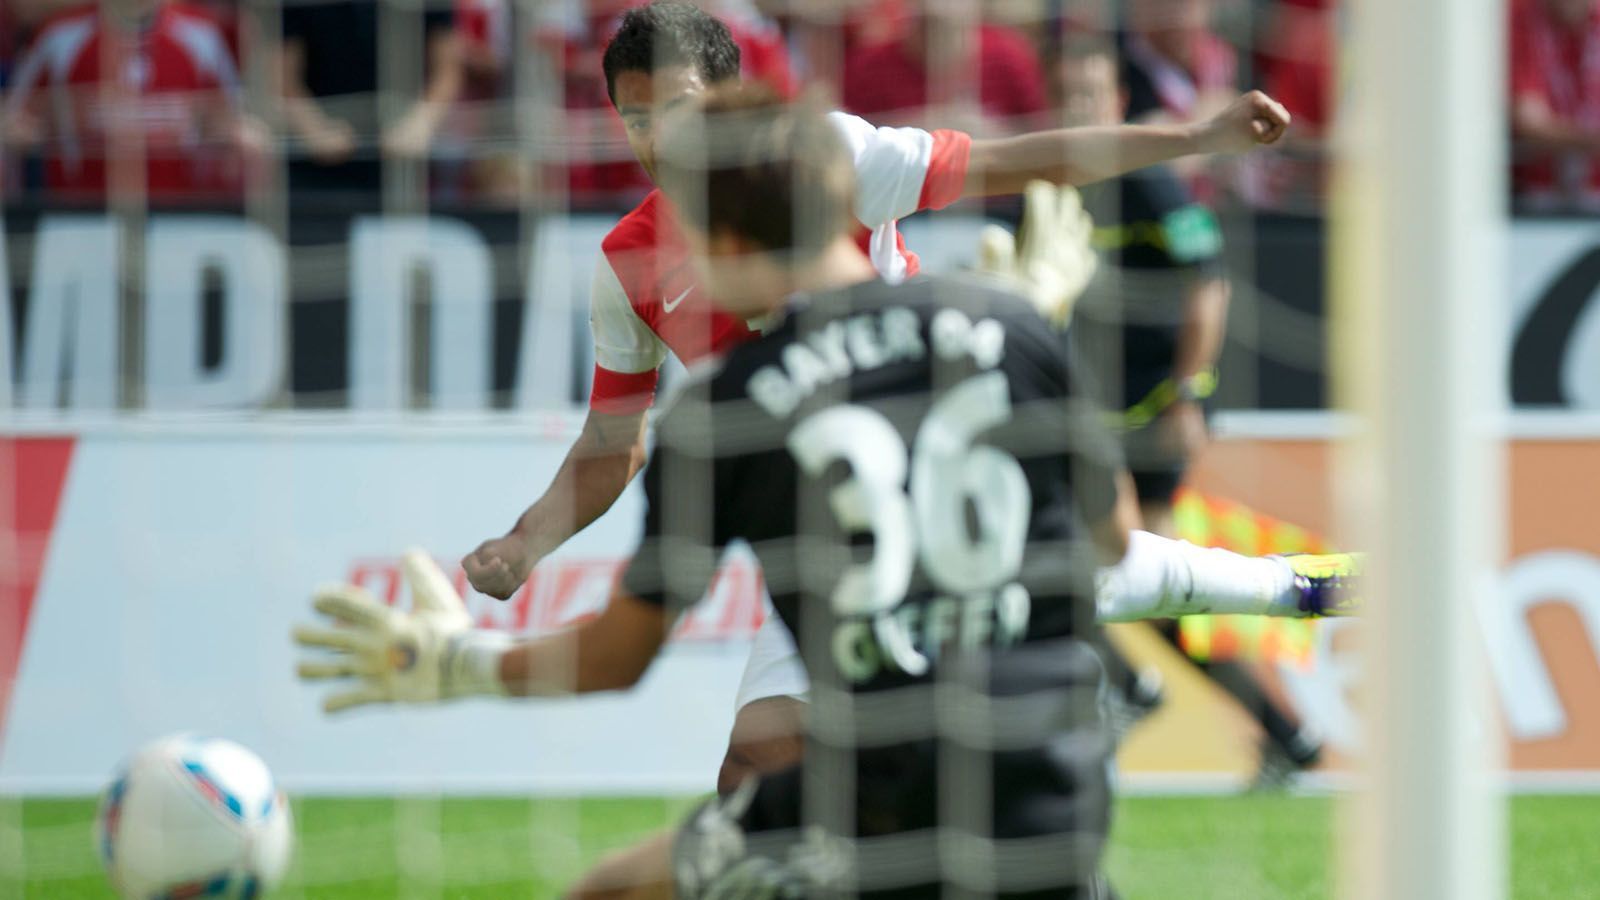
[(667, 33), (744, 161)]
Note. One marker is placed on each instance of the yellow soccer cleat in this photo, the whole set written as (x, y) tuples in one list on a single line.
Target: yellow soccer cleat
[(1328, 583)]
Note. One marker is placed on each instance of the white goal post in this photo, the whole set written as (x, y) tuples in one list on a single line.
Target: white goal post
[(1419, 232)]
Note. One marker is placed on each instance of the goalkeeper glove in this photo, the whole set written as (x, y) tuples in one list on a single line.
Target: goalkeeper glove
[(429, 654), (1050, 261)]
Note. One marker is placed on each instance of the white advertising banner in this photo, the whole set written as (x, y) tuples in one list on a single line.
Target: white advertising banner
[(179, 560), (1554, 358)]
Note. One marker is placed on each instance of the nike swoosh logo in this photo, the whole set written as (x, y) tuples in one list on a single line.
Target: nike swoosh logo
[(670, 305)]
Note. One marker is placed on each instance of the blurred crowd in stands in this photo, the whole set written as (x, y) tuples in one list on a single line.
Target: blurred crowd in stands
[(502, 102)]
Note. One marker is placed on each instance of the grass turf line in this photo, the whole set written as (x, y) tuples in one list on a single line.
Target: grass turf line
[(1275, 847)]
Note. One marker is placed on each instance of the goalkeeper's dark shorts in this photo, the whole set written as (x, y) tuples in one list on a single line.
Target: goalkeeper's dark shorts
[(1021, 813)]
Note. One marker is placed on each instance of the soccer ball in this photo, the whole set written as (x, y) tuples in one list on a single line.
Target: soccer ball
[(194, 817)]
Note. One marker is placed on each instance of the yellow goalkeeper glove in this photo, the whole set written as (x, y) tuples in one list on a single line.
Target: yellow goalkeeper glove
[(1051, 259), (429, 654)]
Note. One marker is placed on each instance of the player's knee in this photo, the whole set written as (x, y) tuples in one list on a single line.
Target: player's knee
[(735, 769), (768, 736)]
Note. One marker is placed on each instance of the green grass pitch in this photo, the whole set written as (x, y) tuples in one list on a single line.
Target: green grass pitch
[(471, 848)]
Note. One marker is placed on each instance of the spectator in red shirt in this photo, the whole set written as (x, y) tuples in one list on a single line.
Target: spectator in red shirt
[(890, 81), (1555, 103), (822, 34), (152, 80), (1297, 57)]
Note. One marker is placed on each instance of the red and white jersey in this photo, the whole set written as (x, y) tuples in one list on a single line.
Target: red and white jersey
[(93, 85), (645, 300)]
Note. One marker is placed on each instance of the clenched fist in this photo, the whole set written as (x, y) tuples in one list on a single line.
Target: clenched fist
[(1251, 120), (500, 565)]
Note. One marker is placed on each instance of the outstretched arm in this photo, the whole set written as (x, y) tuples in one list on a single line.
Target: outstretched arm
[(432, 653), (607, 653), (1080, 156), (607, 454)]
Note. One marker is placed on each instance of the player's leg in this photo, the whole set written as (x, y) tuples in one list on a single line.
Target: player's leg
[(768, 736), (769, 727), (640, 872), (1288, 746), (1162, 578), (1131, 694)]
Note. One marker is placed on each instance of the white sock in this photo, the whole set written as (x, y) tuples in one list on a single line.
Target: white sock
[(1161, 578)]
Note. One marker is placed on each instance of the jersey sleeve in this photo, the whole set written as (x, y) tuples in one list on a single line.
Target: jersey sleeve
[(46, 61), (900, 171), (209, 51), (26, 79), (627, 354)]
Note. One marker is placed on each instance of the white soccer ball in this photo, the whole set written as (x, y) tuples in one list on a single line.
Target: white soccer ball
[(190, 816)]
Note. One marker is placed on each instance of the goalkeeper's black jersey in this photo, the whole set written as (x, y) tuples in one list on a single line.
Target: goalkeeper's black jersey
[(911, 466)]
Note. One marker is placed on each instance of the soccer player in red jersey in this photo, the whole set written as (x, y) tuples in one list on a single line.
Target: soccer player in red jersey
[(646, 302)]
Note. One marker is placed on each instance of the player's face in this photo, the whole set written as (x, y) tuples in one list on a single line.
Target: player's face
[(643, 98), (1089, 91)]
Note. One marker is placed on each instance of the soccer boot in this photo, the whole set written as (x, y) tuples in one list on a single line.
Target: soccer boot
[(1328, 584)]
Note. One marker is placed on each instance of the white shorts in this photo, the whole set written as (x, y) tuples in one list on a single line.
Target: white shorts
[(774, 668)]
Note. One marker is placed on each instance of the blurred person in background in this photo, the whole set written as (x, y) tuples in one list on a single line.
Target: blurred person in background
[(934, 49), (822, 34), (1295, 56), (1555, 104), (136, 79), (1177, 69), (472, 155), (601, 170), (1295, 52), (19, 21), (327, 66), (1151, 327)]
